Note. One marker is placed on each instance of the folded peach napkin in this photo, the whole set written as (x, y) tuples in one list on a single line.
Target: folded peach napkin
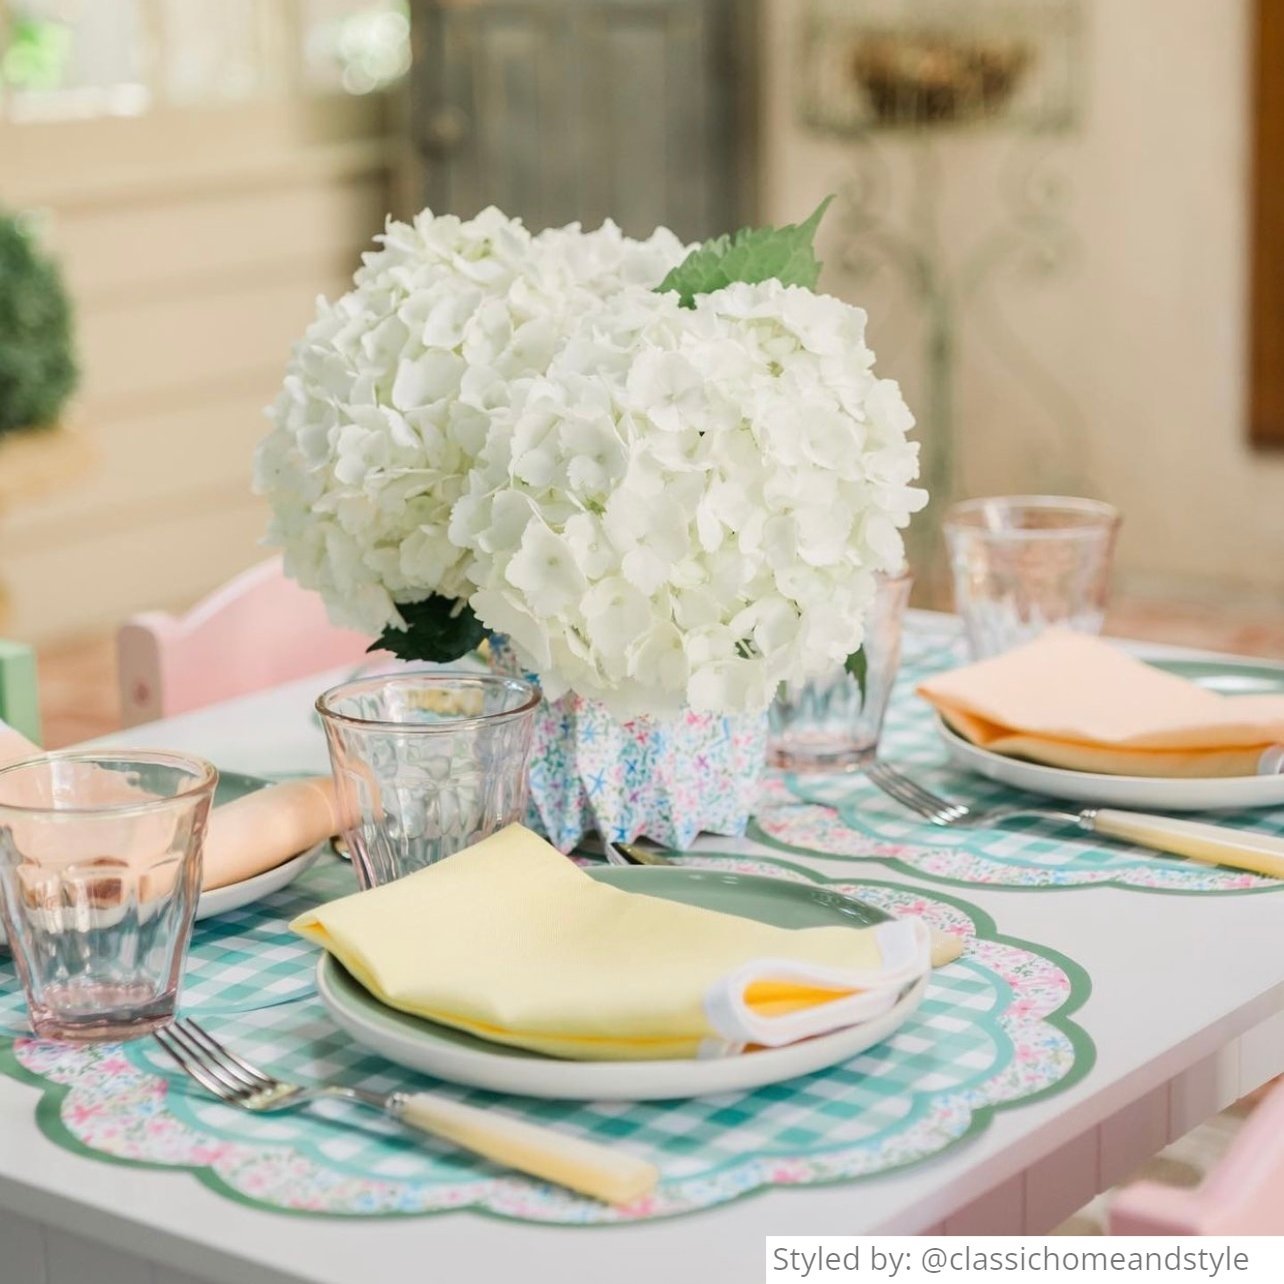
[(261, 830), (1071, 700)]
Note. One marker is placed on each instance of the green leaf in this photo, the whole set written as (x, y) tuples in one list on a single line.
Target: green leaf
[(754, 254), (857, 664), (439, 629)]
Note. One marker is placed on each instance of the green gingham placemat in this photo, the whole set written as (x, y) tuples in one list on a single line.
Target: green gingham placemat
[(846, 817), (994, 1031), (240, 960)]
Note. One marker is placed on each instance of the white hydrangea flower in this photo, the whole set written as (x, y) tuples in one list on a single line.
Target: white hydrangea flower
[(387, 398), (689, 506)]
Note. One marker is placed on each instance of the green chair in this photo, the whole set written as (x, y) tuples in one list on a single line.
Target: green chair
[(18, 706)]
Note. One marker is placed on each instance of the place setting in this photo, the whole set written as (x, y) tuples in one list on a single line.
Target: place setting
[(459, 931), (701, 1090), (621, 898), (473, 969), (1042, 755)]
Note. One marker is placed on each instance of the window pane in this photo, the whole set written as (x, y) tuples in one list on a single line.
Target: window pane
[(74, 58), (211, 52), (357, 46)]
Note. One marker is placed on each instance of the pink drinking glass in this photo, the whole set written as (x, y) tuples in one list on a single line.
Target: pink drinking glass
[(100, 871), (1025, 563)]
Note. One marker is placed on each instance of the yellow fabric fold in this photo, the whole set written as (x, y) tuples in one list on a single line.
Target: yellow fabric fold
[(510, 941), (1071, 700)]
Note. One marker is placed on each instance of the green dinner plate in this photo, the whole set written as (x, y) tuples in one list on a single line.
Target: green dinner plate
[(236, 784), (462, 1058), (769, 900), (1228, 677)]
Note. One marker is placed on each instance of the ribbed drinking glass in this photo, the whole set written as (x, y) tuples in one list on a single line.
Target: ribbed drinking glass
[(832, 723), (426, 764), (100, 871), (1024, 563)]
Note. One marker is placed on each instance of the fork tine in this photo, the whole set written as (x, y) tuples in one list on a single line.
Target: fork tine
[(938, 810), (946, 805), (191, 1067), (895, 787), (894, 776), (250, 1075), (234, 1086)]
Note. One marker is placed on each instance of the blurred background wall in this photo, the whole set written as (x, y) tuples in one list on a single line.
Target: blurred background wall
[(204, 170), (1121, 370)]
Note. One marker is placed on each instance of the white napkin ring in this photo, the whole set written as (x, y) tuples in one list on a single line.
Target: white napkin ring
[(905, 945)]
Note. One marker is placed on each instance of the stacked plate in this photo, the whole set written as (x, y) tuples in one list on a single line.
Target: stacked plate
[(233, 785), (1143, 793), (461, 1058)]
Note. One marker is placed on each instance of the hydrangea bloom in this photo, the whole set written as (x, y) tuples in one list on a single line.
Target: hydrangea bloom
[(386, 400), (661, 506), (688, 506)]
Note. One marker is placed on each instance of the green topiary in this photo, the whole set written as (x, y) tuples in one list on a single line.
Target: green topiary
[(37, 364)]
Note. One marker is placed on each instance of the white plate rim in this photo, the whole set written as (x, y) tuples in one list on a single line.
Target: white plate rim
[(1201, 793), (221, 900), (549, 1078)]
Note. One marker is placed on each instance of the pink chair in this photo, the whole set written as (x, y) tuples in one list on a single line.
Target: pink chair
[(258, 630), (1243, 1195)]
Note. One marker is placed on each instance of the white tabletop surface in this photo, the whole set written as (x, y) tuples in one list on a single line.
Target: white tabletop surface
[(1174, 977)]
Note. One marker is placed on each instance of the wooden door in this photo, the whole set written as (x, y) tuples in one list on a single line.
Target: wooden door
[(562, 110), (1266, 378)]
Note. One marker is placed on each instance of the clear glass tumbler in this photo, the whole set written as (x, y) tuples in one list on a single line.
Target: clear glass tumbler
[(1022, 563), (100, 871), (426, 764), (830, 723)]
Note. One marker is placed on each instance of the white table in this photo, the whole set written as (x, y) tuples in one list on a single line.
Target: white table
[(1187, 1014)]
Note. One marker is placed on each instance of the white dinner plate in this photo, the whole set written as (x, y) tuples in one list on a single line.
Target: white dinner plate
[(233, 785), (457, 1057), (249, 890), (1142, 793)]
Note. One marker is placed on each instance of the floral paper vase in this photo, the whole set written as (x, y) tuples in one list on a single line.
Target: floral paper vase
[(663, 779)]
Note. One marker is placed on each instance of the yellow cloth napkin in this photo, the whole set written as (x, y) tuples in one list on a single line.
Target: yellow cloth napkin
[(510, 941), (1071, 700)]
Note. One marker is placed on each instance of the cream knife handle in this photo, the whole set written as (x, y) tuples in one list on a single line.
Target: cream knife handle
[(1210, 844), (613, 1176)]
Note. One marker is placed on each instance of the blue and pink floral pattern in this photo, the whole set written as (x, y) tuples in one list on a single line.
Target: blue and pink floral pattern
[(663, 779)]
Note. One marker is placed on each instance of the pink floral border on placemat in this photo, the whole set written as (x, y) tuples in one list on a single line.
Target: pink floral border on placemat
[(1006, 1003)]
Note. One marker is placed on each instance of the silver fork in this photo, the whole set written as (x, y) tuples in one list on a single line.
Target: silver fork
[(1196, 840), (607, 1174), (941, 811)]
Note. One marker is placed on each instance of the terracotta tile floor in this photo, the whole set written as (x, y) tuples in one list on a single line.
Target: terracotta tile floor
[(78, 697)]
